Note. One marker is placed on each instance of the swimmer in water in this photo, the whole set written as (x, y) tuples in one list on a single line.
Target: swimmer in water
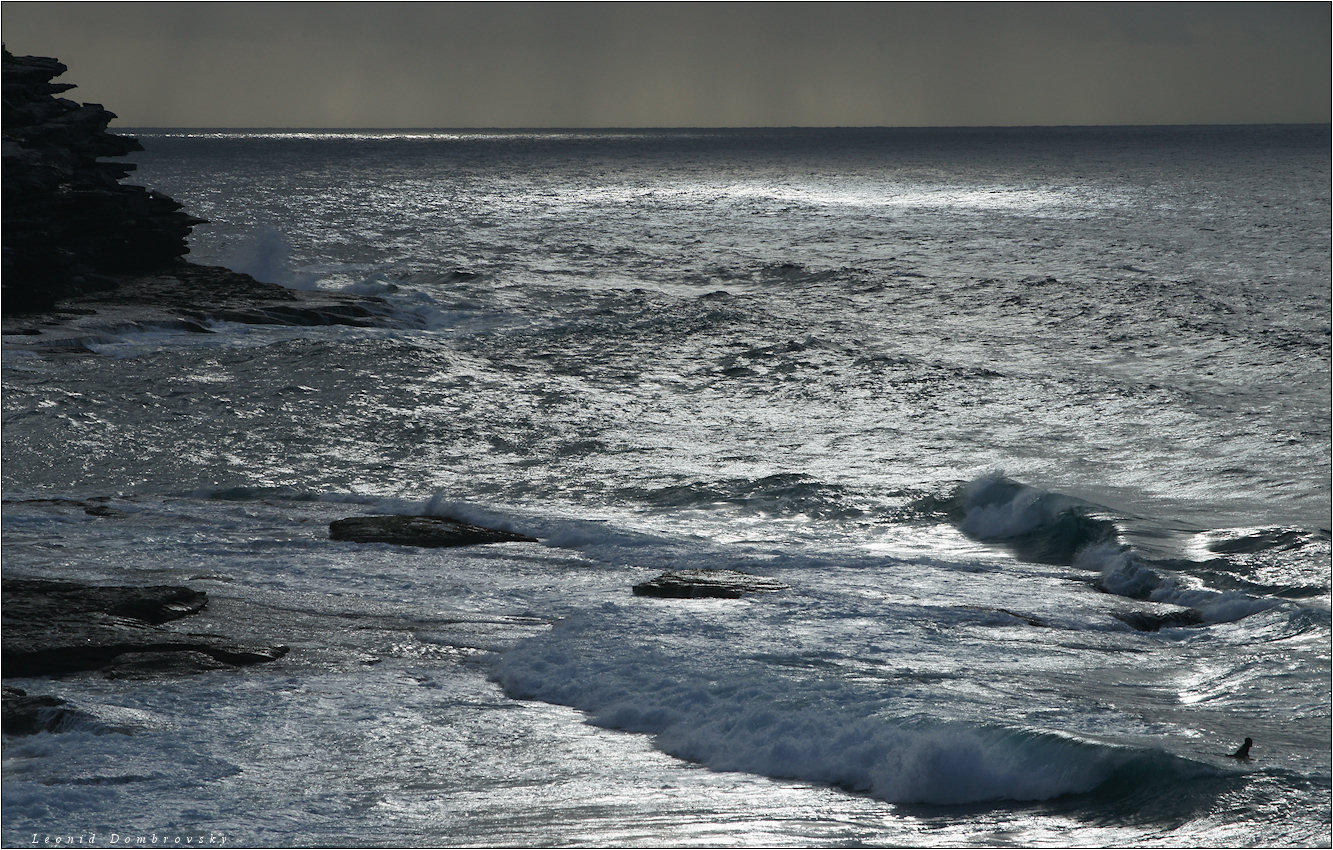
[(1243, 753)]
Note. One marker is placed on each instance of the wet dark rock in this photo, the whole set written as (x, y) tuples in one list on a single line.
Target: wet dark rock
[(102, 511), (1026, 618), (1281, 539), (54, 627), (1155, 621), (459, 276), (153, 665), (43, 599), (68, 220), (704, 584), (96, 506), (324, 312), (184, 297), (28, 715), (430, 531)]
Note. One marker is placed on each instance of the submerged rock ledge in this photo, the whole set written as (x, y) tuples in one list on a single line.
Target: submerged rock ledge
[(427, 531), (183, 297), (28, 715), (707, 584), (51, 628)]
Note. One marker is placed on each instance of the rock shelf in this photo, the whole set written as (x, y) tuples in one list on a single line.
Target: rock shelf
[(54, 628), (705, 584), (428, 531)]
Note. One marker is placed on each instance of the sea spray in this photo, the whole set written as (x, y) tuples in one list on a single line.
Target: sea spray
[(265, 254)]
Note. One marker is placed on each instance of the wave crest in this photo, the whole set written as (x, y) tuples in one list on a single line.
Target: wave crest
[(1124, 573), (1047, 527), (824, 732), (1037, 524)]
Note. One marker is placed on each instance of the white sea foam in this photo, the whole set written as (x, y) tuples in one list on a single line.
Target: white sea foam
[(755, 719), (1123, 573)]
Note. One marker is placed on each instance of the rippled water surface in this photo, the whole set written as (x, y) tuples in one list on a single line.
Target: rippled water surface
[(1034, 424)]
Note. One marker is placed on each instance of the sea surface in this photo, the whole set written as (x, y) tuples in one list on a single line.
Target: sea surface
[(1034, 423)]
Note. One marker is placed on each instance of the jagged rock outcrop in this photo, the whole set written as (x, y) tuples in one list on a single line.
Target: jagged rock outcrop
[(429, 531), (69, 223), (704, 584), (56, 627), (87, 257)]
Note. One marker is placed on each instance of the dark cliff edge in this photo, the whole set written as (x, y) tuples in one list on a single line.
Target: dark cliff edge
[(84, 252), (86, 256)]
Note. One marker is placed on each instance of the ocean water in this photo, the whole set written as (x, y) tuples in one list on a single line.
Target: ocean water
[(1034, 423)]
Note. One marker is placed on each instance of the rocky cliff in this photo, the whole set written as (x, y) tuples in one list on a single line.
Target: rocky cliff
[(86, 255), (70, 225)]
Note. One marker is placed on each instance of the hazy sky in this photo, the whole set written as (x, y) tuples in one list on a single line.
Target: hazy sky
[(312, 64)]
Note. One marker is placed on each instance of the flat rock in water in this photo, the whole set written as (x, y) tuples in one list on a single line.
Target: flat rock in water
[(182, 297), (27, 715), (55, 627), (36, 601), (1155, 621), (704, 584), (431, 531)]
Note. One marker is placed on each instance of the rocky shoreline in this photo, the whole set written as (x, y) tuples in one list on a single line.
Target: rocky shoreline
[(55, 628), (183, 297), (87, 257), (87, 260)]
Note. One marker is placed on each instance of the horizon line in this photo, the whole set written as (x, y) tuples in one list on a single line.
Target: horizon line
[(711, 128)]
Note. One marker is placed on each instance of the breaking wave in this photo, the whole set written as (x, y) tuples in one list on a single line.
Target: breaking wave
[(815, 731), (1036, 524), (1122, 572), (1048, 527)]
